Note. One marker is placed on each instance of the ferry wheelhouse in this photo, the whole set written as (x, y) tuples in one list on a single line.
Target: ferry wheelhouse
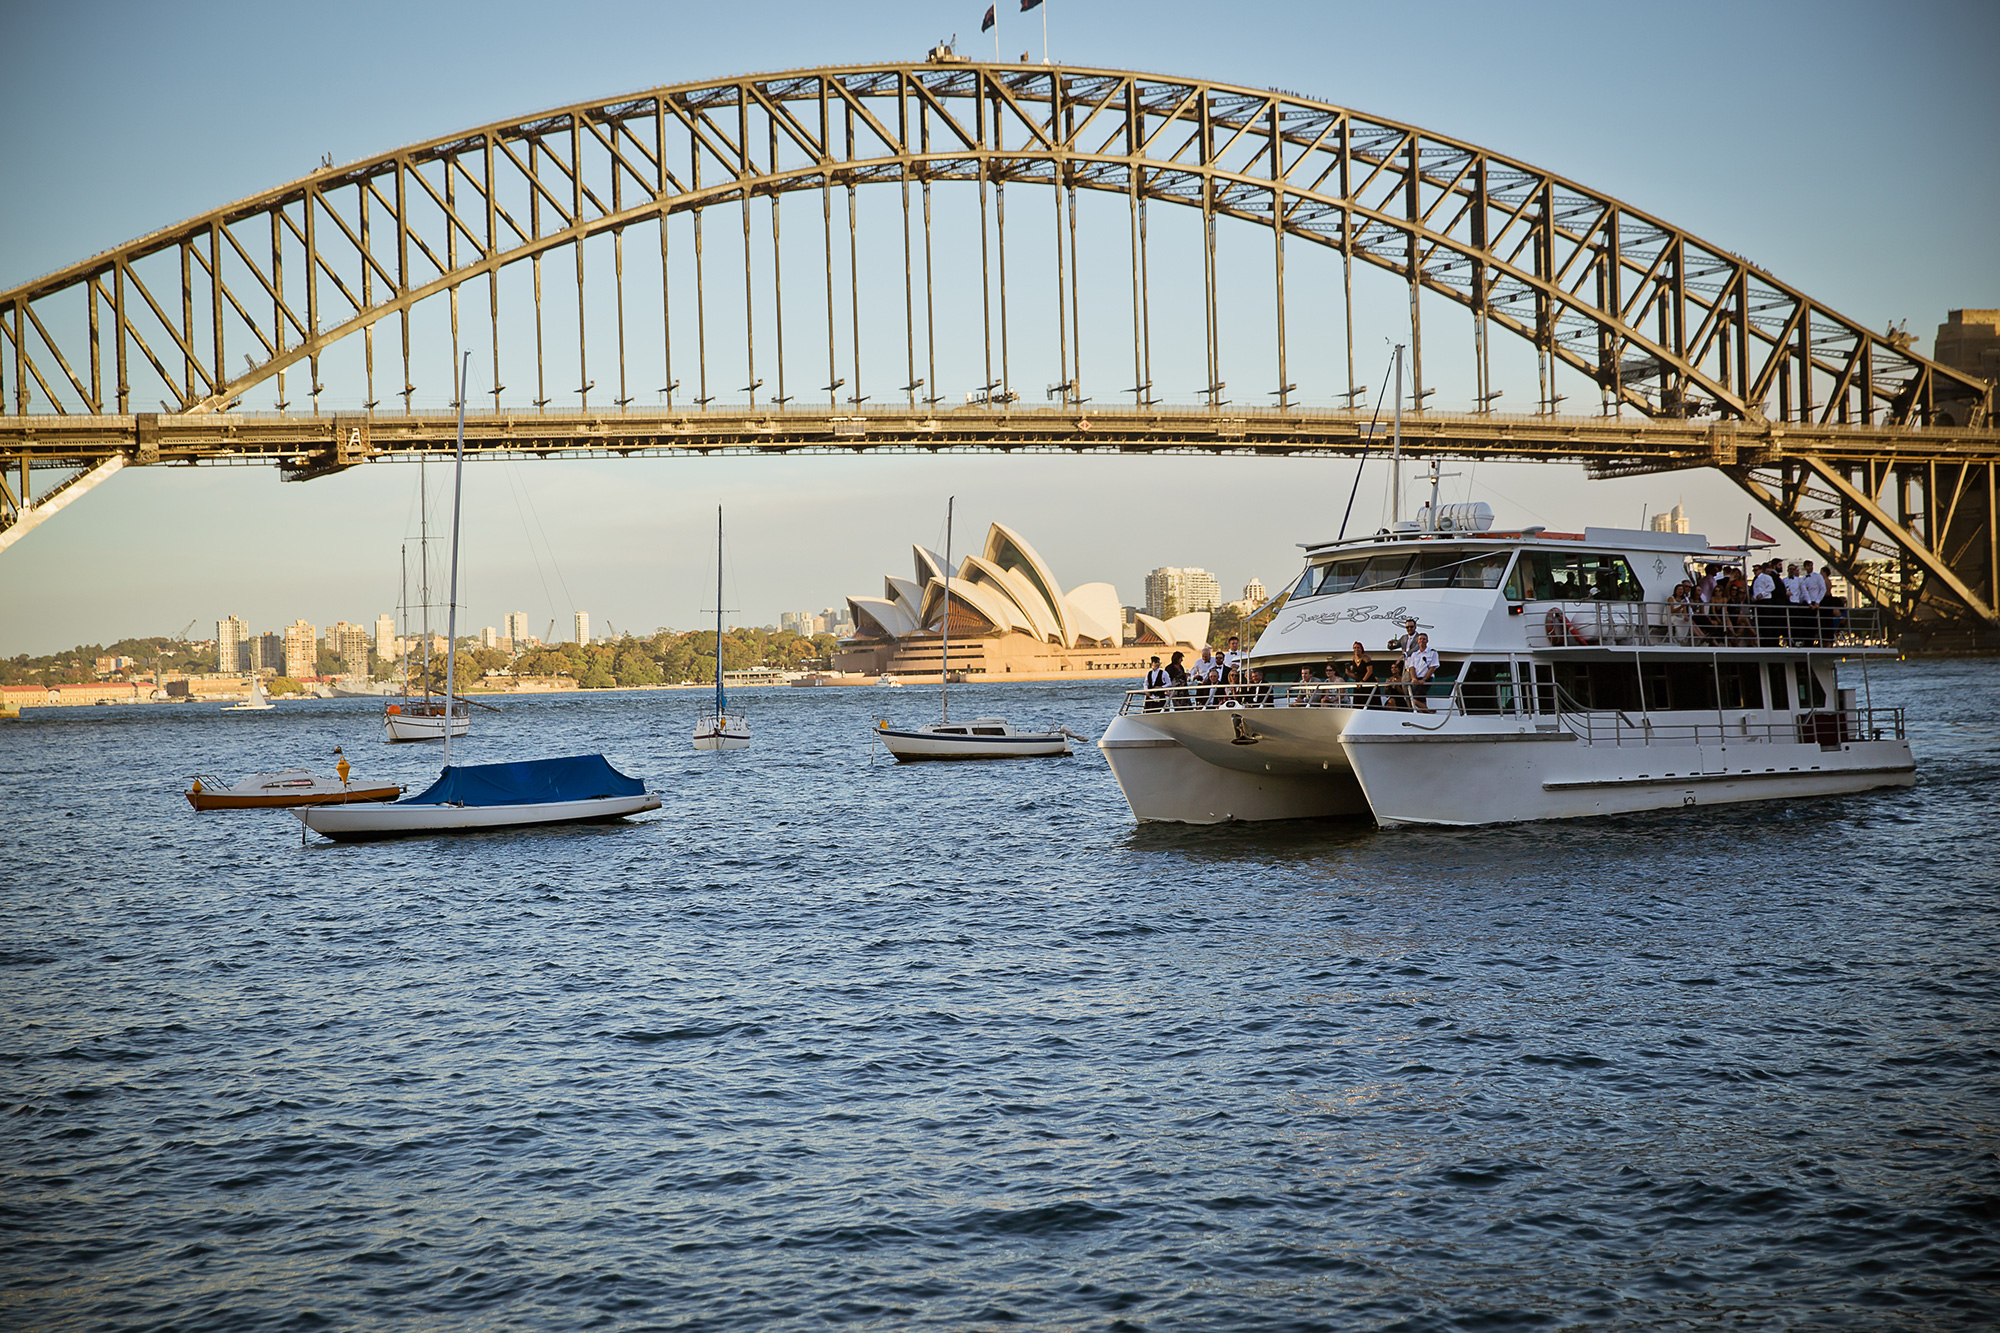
[(1570, 683)]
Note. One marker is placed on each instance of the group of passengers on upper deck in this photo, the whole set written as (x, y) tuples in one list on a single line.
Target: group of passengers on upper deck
[(1779, 605), (1213, 681), (1223, 681)]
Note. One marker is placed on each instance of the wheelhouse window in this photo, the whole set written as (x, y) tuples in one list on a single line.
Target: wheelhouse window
[(1580, 576), (1404, 569)]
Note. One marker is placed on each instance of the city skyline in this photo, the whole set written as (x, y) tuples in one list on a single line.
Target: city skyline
[(632, 538)]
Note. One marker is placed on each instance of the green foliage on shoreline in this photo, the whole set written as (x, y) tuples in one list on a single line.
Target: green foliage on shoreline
[(665, 658), (78, 665)]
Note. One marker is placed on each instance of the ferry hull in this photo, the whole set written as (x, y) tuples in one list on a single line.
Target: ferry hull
[(1166, 781), (1515, 777)]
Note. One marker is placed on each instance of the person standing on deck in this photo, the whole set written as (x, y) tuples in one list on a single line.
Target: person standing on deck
[(1418, 668)]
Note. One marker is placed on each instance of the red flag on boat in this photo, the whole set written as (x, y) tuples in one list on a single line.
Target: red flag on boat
[(1758, 534)]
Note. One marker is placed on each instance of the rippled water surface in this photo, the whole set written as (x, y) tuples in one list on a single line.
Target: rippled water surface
[(827, 1042)]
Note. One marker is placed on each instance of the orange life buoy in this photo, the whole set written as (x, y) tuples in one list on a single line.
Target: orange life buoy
[(394, 709), (1560, 629)]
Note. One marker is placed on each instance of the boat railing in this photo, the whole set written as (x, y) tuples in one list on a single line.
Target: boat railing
[(1307, 694), (1828, 727), (1702, 625)]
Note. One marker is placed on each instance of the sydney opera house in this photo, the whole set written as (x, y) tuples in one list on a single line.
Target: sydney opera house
[(1009, 616)]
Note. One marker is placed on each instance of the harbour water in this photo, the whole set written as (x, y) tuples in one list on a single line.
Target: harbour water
[(837, 1042)]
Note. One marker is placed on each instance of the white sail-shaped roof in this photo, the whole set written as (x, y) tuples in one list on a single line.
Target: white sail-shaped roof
[(927, 563), (1095, 613), (974, 609), (1007, 549), (1030, 616), (1181, 631), (879, 618), (1190, 628), (904, 593)]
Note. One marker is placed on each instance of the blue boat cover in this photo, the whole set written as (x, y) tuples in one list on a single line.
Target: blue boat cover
[(581, 777)]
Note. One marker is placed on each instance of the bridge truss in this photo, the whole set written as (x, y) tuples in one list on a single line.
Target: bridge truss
[(1879, 458)]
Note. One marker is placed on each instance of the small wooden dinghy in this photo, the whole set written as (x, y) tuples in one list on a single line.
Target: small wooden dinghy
[(283, 790), (469, 798)]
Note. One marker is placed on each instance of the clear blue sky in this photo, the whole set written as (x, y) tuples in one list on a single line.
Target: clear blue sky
[(1849, 148)]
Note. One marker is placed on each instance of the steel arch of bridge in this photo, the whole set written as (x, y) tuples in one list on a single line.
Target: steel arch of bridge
[(1665, 323)]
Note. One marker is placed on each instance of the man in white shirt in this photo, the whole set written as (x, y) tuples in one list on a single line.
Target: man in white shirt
[(1156, 686), (1418, 668), (1761, 610), (1202, 673), (1233, 659), (1812, 591), (1812, 586)]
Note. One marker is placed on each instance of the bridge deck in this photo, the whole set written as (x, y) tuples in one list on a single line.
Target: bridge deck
[(309, 446)]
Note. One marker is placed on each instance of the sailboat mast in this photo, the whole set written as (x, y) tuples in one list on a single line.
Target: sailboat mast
[(1396, 457), (424, 566), (944, 666), (451, 613), (719, 700), (405, 608)]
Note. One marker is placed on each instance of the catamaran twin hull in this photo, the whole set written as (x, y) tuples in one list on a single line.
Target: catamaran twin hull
[(1214, 765)]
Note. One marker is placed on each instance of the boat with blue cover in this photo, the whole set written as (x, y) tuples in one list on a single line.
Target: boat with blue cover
[(579, 789)]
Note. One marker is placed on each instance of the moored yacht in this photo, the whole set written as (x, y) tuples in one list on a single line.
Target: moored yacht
[(1570, 683)]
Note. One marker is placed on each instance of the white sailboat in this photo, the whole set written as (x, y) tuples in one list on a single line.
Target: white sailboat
[(578, 789), (258, 702), (718, 728), (980, 738), (425, 717)]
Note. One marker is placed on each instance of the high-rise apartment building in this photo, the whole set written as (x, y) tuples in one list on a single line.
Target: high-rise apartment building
[(267, 652), (489, 637), (1175, 592), (583, 627), (301, 650), (516, 629), (1253, 592), (797, 622), (385, 637), (232, 645), (350, 644), (1675, 520)]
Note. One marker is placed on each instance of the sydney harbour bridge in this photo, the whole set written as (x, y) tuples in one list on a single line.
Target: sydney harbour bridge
[(619, 271)]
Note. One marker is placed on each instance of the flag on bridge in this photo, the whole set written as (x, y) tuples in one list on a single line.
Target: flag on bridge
[(1027, 5), (987, 22)]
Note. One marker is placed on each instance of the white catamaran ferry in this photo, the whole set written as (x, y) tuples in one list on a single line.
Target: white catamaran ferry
[(1569, 684)]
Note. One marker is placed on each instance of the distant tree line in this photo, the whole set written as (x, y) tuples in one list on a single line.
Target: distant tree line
[(665, 658), (78, 665)]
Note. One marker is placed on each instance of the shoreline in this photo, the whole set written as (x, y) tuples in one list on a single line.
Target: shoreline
[(16, 700)]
